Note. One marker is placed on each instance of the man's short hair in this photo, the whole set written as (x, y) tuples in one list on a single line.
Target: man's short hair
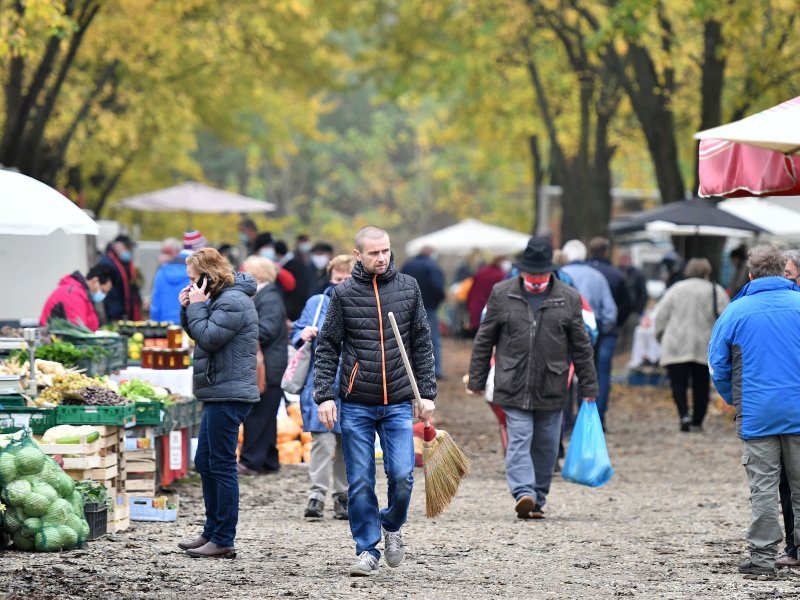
[(599, 247), (574, 250), (248, 224), (102, 271), (370, 232), (794, 256), (765, 260), (698, 267)]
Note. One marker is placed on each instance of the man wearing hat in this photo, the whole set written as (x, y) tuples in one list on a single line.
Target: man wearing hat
[(534, 325), (171, 278)]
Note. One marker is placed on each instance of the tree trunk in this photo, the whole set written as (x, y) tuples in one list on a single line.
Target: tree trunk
[(539, 224), (712, 82)]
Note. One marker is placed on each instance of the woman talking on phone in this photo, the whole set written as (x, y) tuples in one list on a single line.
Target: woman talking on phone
[(218, 313)]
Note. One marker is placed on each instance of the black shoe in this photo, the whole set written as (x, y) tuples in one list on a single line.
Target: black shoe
[(686, 424), (748, 568), (697, 429), (340, 508), (314, 509)]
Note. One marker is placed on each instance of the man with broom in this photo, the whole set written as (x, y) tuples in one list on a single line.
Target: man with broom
[(534, 324), (376, 393)]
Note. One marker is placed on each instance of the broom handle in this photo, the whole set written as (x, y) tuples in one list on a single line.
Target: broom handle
[(402, 347)]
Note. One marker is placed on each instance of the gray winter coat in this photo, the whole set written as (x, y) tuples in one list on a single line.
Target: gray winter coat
[(225, 332), (272, 332)]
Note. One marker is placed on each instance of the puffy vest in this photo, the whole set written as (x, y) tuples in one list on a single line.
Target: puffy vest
[(372, 370)]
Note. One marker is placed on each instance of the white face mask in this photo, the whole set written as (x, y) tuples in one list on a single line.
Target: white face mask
[(320, 261), (305, 247), (267, 253), (506, 266)]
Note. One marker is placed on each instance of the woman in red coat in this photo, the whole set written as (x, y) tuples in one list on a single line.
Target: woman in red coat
[(75, 296)]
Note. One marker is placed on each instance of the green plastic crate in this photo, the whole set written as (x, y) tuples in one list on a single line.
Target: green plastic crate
[(38, 419), (7, 400), (148, 413), (121, 416), (115, 346)]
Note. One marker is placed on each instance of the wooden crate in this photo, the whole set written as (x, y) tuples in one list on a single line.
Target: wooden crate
[(91, 462), (140, 483), (101, 474), (139, 461)]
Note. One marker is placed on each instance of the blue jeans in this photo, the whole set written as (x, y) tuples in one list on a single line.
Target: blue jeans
[(533, 438), (215, 460), (604, 357), (393, 424), (436, 339)]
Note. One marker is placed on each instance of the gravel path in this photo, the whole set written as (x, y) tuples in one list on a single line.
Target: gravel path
[(669, 525)]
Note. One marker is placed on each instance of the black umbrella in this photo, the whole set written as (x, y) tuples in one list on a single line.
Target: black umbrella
[(687, 217)]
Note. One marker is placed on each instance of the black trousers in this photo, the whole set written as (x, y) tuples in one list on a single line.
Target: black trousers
[(261, 432), (679, 376), (788, 515)]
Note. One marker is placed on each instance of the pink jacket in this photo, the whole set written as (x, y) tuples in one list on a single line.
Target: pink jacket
[(71, 301)]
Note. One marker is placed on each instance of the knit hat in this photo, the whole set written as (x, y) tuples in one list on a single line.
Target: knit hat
[(193, 241)]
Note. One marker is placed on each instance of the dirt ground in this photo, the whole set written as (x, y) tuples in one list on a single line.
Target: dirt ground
[(670, 524)]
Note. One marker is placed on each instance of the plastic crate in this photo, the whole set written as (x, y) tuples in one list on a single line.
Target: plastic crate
[(146, 508), (116, 348), (97, 517), (7, 400), (121, 416), (38, 419), (148, 413)]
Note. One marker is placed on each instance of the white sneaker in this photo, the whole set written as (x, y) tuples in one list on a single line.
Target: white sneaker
[(365, 566), (393, 547)]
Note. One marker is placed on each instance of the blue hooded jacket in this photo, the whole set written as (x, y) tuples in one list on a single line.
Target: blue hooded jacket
[(751, 357), (170, 279)]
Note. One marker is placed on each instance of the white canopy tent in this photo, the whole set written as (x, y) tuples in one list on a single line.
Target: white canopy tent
[(43, 236), (30, 207), (469, 235), (195, 198), (775, 219)]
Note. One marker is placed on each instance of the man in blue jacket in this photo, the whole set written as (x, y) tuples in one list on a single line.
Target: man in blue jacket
[(747, 357)]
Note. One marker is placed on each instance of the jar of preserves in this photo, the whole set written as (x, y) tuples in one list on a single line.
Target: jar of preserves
[(160, 358), (174, 336), (147, 357)]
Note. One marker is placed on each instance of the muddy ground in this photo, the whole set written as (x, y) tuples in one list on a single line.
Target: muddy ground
[(670, 524)]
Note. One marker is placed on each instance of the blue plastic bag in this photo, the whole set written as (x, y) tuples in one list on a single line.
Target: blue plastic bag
[(587, 459)]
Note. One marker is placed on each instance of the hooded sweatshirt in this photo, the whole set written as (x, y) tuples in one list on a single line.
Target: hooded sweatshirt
[(170, 279), (71, 301)]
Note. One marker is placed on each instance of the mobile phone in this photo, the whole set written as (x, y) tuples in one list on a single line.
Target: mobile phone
[(204, 278)]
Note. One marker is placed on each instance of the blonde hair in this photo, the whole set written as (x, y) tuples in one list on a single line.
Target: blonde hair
[(263, 269), (343, 262), (216, 266)]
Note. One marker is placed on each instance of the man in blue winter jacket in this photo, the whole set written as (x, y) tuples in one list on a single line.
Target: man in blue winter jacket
[(747, 357)]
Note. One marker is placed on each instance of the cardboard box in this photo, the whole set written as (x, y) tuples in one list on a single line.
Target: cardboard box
[(159, 508)]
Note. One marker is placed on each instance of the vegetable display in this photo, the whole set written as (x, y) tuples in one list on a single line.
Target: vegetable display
[(94, 396), (66, 353), (44, 510), (141, 391), (63, 386)]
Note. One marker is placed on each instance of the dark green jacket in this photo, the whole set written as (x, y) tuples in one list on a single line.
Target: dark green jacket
[(533, 356)]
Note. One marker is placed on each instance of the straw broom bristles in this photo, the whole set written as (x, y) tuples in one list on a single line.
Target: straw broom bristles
[(445, 464)]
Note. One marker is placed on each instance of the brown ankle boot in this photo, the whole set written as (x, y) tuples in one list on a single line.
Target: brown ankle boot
[(211, 550), (192, 544)]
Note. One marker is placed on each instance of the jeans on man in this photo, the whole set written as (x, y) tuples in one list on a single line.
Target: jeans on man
[(533, 438), (326, 455), (762, 459), (215, 461), (436, 339), (604, 358), (393, 424)]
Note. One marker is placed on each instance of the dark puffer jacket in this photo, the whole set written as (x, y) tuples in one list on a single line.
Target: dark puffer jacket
[(272, 332), (532, 356), (357, 327), (225, 332)]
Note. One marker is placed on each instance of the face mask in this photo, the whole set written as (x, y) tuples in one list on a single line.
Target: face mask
[(320, 261), (505, 265), (267, 253), (536, 284), (305, 247), (244, 239), (98, 296), (125, 256)]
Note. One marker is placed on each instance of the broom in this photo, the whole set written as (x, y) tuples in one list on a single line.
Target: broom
[(445, 464)]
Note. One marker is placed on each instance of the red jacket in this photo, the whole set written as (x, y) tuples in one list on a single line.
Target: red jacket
[(71, 301), (485, 279)]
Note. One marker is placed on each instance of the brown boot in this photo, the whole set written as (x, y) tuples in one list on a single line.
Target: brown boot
[(192, 544), (211, 550), (528, 509)]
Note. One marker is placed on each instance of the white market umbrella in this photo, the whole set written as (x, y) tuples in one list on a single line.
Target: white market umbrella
[(771, 217), (195, 198), (30, 207), (469, 235), (775, 129)]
